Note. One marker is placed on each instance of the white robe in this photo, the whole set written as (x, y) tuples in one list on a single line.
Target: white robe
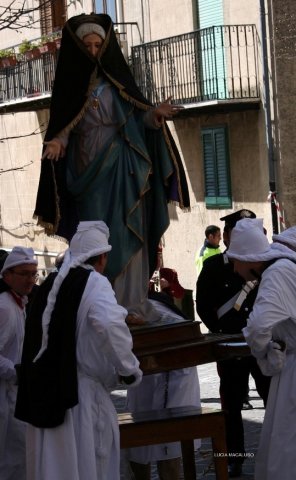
[(86, 445), (176, 388), (274, 317), (12, 431)]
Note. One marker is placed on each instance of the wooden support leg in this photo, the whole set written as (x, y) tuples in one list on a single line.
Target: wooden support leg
[(220, 451), (169, 469), (140, 471), (188, 459)]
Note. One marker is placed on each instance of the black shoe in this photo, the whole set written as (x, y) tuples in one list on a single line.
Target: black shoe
[(247, 405), (234, 470)]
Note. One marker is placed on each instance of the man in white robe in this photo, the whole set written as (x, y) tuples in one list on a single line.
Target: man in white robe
[(18, 276), (271, 334), (85, 445)]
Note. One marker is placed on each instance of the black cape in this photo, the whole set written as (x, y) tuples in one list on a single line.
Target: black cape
[(48, 387)]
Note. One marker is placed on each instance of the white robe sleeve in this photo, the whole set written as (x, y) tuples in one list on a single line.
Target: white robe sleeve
[(274, 361), (274, 304), (107, 320), (7, 370)]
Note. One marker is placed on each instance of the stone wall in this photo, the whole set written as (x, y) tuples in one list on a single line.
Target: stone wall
[(283, 19), (20, 153), (249, 179)]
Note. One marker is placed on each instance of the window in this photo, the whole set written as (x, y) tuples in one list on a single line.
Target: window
[(52, 16), (216, 168), (45, 18), (58, 9), (106, 6)]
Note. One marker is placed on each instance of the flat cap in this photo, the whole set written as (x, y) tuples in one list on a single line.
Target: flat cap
[(231, 219)]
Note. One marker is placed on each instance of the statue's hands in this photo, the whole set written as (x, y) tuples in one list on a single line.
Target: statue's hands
[(54, 150), (134, 319), (166, 110)]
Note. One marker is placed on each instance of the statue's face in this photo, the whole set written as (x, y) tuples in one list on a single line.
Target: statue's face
[(93, 43)]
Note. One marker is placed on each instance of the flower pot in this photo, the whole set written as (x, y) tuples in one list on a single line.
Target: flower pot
[(48, 47), (34, 53), (8, 62)]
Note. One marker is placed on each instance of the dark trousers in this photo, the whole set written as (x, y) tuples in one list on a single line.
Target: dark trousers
[(234, 378)]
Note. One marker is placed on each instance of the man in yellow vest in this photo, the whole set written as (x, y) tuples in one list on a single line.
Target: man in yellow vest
[(210, 246)]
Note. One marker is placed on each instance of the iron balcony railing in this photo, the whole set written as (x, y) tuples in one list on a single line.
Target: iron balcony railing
[(31, 78), (216, 63), (34, 77)]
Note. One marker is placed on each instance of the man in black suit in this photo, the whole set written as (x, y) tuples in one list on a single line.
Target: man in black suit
[(218, 289)]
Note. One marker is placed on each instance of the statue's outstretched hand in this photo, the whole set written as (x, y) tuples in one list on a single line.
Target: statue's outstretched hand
[(54, 150), (166, 110)]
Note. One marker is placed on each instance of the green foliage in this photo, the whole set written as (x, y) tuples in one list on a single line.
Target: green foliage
[(26, 46), (49, 38), (6, 53), (45, 39)]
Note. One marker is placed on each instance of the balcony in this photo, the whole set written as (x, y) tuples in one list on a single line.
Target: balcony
[(28, 72), (28, 80), (216, 64), (209, 66)]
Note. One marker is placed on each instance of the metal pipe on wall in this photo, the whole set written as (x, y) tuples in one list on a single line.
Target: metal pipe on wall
[(268, 124)]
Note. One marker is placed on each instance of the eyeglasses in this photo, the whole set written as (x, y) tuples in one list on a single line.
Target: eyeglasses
[(27, 275)]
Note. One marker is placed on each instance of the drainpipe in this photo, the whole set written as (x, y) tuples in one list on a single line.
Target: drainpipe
[(268, 125), (119, 12)]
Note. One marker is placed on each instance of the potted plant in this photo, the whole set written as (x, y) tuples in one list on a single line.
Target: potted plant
[(29, 50), (7, 58), (47, 45), (56, 37)]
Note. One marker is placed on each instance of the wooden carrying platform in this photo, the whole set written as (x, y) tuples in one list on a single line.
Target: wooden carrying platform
[(182, 424), (161, 348), (165, 333)]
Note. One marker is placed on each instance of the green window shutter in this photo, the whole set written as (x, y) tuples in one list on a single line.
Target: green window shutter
[(213, 61), (216, 168), (210, 13)]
